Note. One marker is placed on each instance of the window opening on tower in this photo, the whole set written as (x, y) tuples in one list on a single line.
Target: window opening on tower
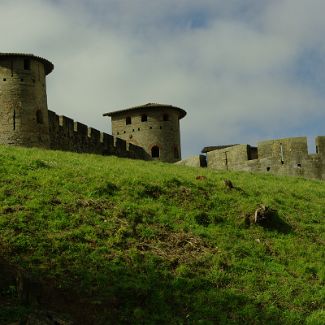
[(39, 117), (176, 153), (14, 120), (26, 64)]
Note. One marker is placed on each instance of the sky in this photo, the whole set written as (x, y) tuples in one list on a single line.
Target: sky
[(244, 70)]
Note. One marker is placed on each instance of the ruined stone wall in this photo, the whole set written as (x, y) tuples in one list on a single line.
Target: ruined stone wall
[(155, 131), (287, 156), (67, 135), (23, 103), (227, 158)]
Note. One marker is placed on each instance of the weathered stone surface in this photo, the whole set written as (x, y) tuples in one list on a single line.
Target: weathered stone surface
[(25, 119), (23, 103), (287, 156), (159, 128), (194, 161)]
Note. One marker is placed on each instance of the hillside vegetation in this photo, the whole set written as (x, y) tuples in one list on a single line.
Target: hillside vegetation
[(104, 240)]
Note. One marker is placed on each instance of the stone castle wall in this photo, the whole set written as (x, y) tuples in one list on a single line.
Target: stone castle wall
[(287, 156), (68, 135), (26, 121)]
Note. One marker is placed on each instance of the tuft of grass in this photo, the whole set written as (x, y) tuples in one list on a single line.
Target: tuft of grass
[(146, 242)]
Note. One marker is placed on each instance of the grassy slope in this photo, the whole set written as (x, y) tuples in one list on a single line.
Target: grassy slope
[(145, 242)]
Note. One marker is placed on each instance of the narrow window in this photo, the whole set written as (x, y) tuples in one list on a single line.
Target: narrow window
[(155, 152), (268, 169), (4, 79), (39, 117), (14, 120), (138, 129), (299, 165), (128, 120), (316, 149), (144, 118), (176, 153), (26, 64), (118, 133), (166, 117), (281, 153)]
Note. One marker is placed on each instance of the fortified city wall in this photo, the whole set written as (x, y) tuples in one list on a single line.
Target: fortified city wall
[(287, 156), (26, 121), (69, 135)]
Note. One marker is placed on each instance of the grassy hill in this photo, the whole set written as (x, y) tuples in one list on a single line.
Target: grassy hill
[(105, 240)]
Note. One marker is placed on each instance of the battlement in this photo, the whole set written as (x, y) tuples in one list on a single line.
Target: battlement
[(25, 119), (288, 156), (69, 135)]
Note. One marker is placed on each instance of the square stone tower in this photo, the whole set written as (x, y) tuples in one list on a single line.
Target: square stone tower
[(155, 127)]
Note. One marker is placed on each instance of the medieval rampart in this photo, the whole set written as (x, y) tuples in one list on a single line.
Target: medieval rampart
[(25, 119), (69, 135), (287, 156)]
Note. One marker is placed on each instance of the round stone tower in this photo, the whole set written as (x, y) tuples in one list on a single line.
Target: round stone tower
[(155, 127), (23, 102)]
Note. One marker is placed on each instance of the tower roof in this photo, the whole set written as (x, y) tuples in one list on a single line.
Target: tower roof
[(47, 64), (148, 106)]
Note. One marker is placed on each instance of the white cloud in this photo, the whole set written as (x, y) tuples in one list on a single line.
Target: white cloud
[(234, 66)]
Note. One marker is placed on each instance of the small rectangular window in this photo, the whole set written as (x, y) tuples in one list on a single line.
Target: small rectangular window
[(128, 120), (26, 64), (144, 118), (39, 117), (14, 120)]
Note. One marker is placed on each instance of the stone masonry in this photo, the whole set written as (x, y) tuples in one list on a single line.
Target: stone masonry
[(23, 102), (287, 156), (154, 127), (26, 121)]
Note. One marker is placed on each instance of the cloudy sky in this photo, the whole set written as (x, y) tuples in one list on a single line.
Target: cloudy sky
[(244, 70)]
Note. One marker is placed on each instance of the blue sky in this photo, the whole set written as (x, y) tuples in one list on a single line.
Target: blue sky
[(244, 71)]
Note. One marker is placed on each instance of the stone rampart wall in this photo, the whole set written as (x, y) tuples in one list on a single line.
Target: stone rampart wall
[(69, 135), (287, 156)]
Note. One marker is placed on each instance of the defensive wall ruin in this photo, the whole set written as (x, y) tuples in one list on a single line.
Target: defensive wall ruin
[(288, 156), (68, 135)]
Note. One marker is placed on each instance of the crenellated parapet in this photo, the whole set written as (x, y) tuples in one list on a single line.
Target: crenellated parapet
[(69, 135), (288, 156), (26, 121)]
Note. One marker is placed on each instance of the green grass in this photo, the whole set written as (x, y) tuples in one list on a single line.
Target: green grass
[(147, 243)]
